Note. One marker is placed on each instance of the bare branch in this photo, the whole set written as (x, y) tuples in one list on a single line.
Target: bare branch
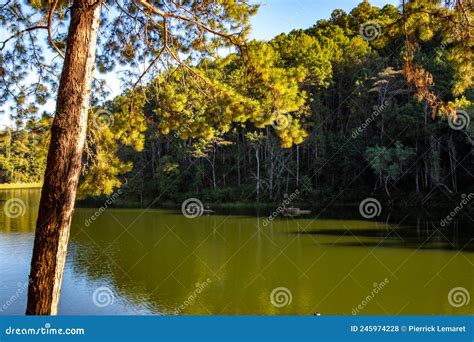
[(5, 5), (18, 34), (50, 22), (149, 67), (124, 11), (196, 22), (173, 55), (187, 67), (152, 8)]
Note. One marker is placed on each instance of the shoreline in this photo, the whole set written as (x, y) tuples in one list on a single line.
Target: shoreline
[(395, 204), (16, 186)]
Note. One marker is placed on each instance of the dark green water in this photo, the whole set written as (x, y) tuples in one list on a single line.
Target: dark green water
[(132, 261)]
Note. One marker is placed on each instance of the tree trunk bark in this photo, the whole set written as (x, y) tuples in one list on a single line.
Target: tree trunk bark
[(63, 167), (452, 162), (257, 156), (214, 183), (238, 159), (297, 166)]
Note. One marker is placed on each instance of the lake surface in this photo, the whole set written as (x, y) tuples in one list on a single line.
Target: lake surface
[(135, 261)]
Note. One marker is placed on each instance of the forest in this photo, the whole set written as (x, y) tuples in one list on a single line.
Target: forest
[(330, 111), (141, 104)]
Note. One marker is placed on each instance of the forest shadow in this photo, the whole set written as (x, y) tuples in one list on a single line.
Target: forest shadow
[(424, 236)]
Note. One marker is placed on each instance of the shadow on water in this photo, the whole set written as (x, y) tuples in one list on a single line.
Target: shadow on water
[(422, 230), (152, 261), (417, 228)]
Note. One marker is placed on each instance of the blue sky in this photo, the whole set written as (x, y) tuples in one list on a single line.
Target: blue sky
[(273, 18), (277, 16)]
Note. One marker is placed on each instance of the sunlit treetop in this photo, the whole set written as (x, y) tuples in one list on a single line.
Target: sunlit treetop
[(229, 91), (139, 40), (451, 23), (169, 56)]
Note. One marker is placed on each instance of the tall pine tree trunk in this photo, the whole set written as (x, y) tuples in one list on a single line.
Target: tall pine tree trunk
[(63, 167)]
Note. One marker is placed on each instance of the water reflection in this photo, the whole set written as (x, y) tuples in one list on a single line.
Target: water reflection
[(424, 235), (156, 262), (25, 221)]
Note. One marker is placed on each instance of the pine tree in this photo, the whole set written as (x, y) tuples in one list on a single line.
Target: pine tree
[(170, 33)]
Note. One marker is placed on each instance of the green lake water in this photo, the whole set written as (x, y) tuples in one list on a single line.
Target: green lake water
[(135, 261)]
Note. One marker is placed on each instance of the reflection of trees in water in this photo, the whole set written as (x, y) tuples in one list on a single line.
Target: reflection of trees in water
[(162, 269), (25, 222), (150, 264), (157, 263), (459, 235)]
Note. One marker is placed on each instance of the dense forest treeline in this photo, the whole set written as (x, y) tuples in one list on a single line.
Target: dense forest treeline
[(327, 111)]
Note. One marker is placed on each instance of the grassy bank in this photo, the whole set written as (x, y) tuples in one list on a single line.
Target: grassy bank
[(21, 186)]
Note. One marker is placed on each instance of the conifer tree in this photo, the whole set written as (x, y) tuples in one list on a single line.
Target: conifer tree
[(99, 35)]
